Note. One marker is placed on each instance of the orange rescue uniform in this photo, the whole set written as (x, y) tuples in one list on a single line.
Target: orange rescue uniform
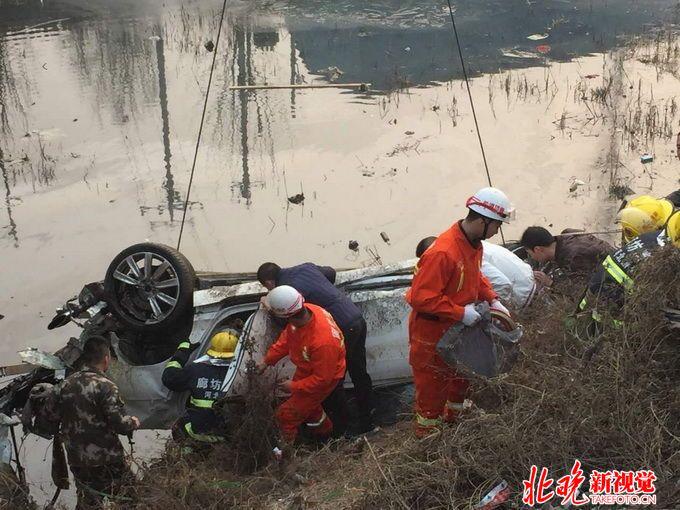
[(448, 277), (318, 351)]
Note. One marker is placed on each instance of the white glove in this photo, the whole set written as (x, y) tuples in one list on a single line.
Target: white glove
[(497, 305), (470, 315)]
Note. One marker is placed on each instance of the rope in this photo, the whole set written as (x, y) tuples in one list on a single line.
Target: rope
[(472, 104), (200, 129)]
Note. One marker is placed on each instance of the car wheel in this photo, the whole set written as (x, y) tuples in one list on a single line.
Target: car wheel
[(150, 287)]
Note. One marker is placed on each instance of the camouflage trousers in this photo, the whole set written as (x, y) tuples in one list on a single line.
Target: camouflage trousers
[(95, 484)]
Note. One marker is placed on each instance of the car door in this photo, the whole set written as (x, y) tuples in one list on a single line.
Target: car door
[(386, 313)]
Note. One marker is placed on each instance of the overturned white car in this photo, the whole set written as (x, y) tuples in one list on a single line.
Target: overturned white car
[(152, 299)]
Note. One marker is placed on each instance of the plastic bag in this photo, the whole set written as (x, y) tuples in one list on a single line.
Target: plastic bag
[(482, 349)]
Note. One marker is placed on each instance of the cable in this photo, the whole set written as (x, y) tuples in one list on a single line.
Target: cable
[(200, 129), (472, 104)]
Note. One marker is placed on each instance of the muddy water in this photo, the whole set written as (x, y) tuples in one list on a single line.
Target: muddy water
[(100, 107)]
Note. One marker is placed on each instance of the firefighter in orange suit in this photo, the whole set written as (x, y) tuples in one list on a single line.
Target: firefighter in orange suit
[(447, 284), (316, 347)]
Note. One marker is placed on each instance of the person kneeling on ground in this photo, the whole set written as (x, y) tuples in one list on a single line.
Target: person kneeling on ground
[(316, 347), (203, 377), (92, 416)]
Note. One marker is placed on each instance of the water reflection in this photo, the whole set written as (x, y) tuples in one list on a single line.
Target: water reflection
[(131, 61), (169, 181), (389, 43), (244, 77), (116, 61), (11, 227)]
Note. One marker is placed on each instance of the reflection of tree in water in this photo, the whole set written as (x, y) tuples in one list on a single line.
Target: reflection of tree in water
[(12, 226), (169, 182), (251, 115), (9, 95), (118, 61)]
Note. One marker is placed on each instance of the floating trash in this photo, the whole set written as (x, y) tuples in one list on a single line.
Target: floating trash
[(297, 199)]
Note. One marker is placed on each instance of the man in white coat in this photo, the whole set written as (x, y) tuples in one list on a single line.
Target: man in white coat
[(511, 277)]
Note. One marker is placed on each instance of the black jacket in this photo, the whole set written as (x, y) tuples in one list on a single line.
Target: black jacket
[(202, 377), (603, 282), (315, 283)]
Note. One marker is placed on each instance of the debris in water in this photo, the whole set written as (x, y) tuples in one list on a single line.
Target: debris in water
[(353, 245), (210, 46), (385, 237), (591, 76), (646, 158), (331, 73), (297, 199), (537, 37), (516, 53), (75, 120), (543, 48), (407, 49), (1, 316), (575, 184), (409, 133)]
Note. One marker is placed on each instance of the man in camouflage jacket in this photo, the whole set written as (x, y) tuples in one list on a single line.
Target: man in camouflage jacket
[(92, 416)]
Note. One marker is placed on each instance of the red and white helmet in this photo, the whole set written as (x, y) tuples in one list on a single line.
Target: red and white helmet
[(285, 301), (491, 203)]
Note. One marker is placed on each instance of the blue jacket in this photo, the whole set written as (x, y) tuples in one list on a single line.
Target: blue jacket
[(316, 284)]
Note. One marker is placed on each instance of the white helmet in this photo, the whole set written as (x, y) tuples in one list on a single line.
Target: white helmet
[(285, 301), (491, 203)]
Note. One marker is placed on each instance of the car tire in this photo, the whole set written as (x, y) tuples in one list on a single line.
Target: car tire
[(154, 298)]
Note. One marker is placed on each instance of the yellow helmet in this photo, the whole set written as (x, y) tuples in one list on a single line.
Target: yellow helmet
[(659, 209), (634, 222), (223, 344), (673, 229), (644, 214)]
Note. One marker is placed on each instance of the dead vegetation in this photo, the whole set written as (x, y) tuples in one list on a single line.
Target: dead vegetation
[(615, 406)]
